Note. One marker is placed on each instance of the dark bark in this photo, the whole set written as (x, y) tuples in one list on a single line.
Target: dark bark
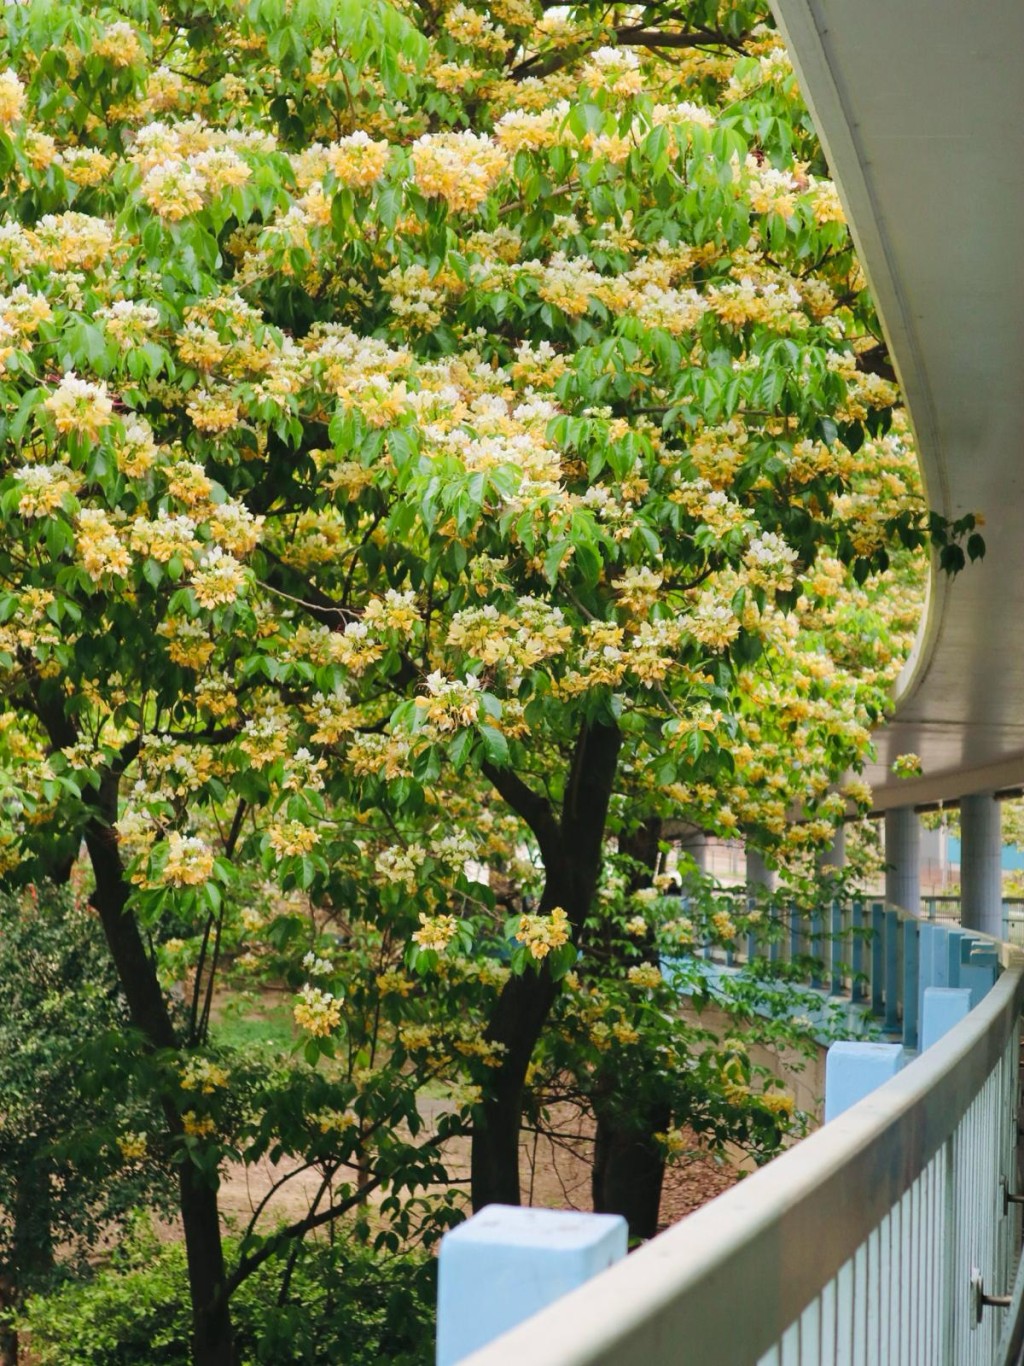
[(519, 1016), (629, 1165), (629, 1168), (212, 1343), (212, 1338), (571, 849)]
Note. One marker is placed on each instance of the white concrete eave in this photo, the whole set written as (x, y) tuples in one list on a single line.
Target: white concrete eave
[(920, 108)]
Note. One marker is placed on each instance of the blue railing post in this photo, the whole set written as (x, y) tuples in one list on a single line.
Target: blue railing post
[(858, 989), (892, 971), (911, 982), (877, 958), (817, 926), (836, 947)]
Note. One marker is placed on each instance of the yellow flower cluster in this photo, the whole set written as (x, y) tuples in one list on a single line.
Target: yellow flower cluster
[(357, 160), (98, 545), (316, 1011), (43, 488), (200, 1074), (71, 240), (335, 1121), (542, 933), (291, 838), (198, 1126), (12, 97), (435, 932), (133, 1146), (79, 405), (219, 578), (645, 975), (461, 168), (189, 861)]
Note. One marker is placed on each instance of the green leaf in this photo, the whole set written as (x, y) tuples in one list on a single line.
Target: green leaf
[(495, 746)]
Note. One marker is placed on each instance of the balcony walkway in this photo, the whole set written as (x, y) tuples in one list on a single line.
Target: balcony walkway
[(920, 107), (881, 1239)]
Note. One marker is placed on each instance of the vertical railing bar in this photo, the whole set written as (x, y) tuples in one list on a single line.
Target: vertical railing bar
[(794, 934), (836, 955), (857, 988), (817, 930), (877, 958), (893, 929), (911, 983)]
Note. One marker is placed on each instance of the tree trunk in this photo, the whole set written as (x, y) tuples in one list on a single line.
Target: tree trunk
[(629, 1166), (517, 1022), (212, 1342), (571, 849), (212, 1338)]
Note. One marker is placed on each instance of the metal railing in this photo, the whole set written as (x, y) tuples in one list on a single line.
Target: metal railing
[(947, 908), (868, 963), (881, 1238)]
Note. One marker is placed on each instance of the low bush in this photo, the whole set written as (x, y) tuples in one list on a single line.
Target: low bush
[(346, 1305)]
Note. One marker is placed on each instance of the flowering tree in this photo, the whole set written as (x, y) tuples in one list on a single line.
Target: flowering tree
[(426, 428)]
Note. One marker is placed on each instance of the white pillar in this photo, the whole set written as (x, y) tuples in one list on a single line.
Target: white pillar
[(696, 845), (835, 855), (981, 877), (758, 872), (903, 859)]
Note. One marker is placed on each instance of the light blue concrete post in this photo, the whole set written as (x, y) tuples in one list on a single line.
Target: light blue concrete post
[(859, 990), (877, 958), (979, 970), (892, 971), (758, 872), (943, 1008), (911, 982), (836, 948), (817, 928), (981, 876), (903, 859), (932, 962), (794, 934), (854, 1070), (506, 1263), (834, 859), (955, 941)]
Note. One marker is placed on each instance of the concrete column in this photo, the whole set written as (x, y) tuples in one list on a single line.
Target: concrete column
[(835, 855), (758, 872), (981, 877), (903, 859), (696, 845)]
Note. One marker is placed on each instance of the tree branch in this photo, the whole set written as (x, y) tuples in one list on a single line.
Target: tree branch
[(531, 806)]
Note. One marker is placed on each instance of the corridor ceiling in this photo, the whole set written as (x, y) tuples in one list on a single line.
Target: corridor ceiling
[(920, 107)]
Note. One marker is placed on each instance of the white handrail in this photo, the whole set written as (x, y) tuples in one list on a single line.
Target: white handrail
[(901, 1192)]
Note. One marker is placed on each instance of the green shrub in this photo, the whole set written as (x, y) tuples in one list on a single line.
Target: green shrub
[(346, 1306)]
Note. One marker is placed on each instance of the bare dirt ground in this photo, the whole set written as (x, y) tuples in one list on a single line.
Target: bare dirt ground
[(554, 1173)]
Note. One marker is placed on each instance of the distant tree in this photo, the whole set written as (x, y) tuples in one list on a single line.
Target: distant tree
[(74, 1161)]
